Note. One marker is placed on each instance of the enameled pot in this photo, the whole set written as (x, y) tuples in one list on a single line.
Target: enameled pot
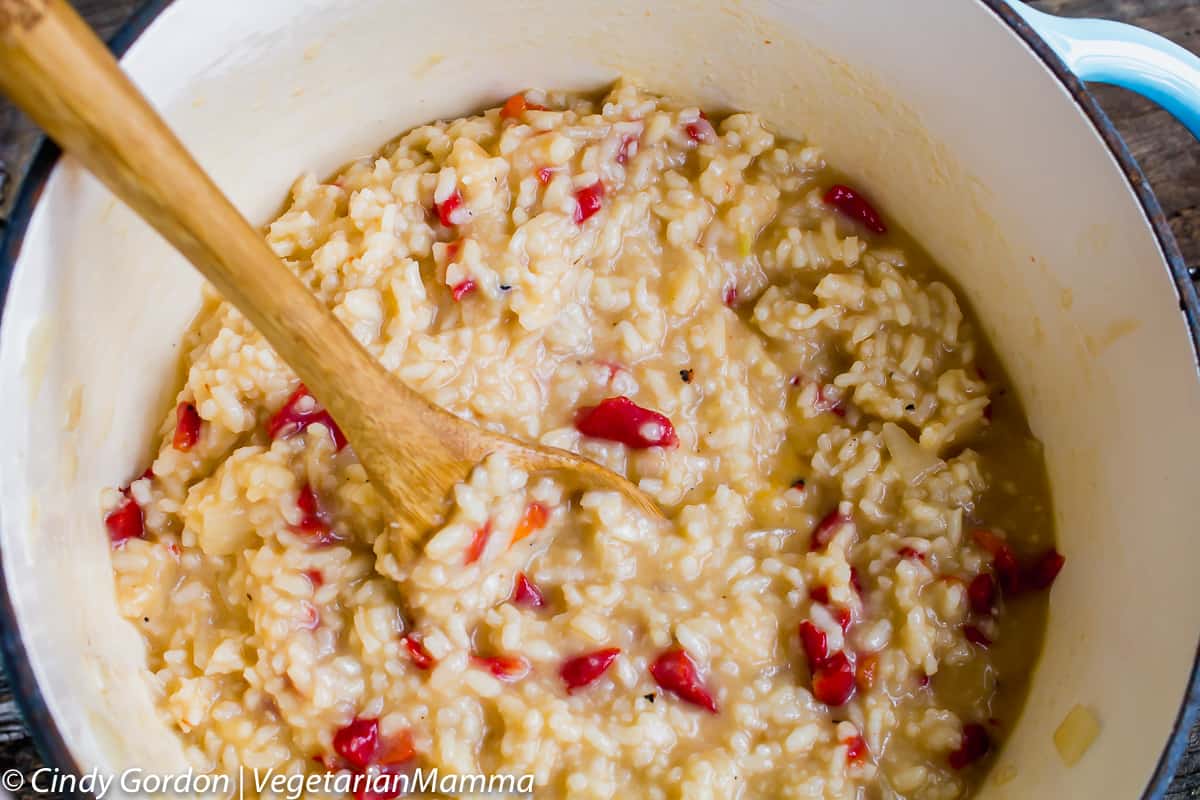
[(966, 123)]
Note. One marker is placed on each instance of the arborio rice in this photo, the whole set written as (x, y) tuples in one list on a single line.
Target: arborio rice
[(854, 542)]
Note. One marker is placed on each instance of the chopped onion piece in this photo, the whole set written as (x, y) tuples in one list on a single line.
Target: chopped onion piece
[(913, 461), (1076, 734)]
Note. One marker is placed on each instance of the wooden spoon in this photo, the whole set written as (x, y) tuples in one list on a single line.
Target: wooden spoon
[(58, 72)]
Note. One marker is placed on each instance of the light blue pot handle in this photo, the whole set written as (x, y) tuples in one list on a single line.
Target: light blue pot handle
[(1123, 55)]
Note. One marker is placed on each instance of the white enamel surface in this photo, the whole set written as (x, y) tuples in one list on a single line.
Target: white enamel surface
[(964, 136)]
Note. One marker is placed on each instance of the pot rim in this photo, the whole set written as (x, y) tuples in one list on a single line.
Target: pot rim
[(43, 729)]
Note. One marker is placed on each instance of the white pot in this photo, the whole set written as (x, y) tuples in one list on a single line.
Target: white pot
[(990, 155)]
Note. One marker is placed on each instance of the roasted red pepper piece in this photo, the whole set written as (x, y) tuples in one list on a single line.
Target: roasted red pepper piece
[(358, 742), (581, 670), (827, 528), (462, 289), (126, 521), (981, 592), (526, 593), (675, 672), (816, 643), (833, 680), (1042, 572), (421, 657), (976, 636), (974, 746), (300, 411), (532, 521), (854, 206), (505, 668), (701, 131), (478, 542), (588, 201), (517, 105), (446, 209), (314, 520), (856, 748), (187, 427), (619, 419)]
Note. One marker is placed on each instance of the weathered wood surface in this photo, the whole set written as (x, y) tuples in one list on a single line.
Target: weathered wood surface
[(1167, 153)]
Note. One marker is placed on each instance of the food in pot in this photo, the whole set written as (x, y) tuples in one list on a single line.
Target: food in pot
[(848, 592)]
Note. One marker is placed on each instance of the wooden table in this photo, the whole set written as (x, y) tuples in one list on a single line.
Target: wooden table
[(1167, 153)]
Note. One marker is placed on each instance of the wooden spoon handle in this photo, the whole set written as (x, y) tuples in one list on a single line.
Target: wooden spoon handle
[(58, 72), (53, 67)]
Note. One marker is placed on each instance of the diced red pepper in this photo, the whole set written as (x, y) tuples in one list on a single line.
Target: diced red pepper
[(910, 552), (730, 296), (126, 521), (462, 289), (300, 411), (315, 577), (675, 672), (825, 403), (398, 749), (833, 680), (588, 201), (505, 668), (701, 131), (581, 670), (981, 592), (864, 675), (526, 593), (358, 742), (623, 151), (619, 419), (312, 617), (421, 657), (1008, 570), (517, 105), (856, 748), (856, 207), (990, 541), (974, 746), (1044, 570), (532, 521), (845, 618), (478, 542), (827, 528), (446, 209), (314, 520), (976, 636), (816, 644), (187, 427), (545, 175), (819, 594)]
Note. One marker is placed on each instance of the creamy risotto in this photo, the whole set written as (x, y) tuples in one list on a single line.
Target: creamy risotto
[(846, 597)]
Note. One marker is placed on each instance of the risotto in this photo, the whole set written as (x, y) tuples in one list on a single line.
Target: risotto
[(844, 601)]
